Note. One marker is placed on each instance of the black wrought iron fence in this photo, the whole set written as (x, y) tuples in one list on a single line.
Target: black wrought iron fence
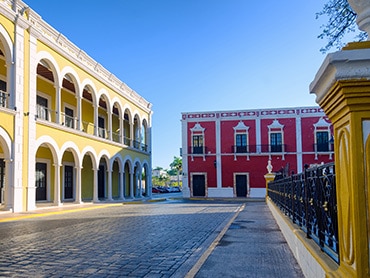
[(309, 199)]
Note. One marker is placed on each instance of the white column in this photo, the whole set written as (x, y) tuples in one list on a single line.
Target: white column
[(96, 112), (9, 185), (299, 144), (57, 104), (185, 177), (79, 113), (218, 154), (109, 173), (109, 116), (121, 185), (139, 192), (78, 184), (121, 131), (258, 135), (19, 158), (131, 185), (132, 135), (57, 194), (95, 191)]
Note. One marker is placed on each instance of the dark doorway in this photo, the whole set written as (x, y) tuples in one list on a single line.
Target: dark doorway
[(241, 185), (41, 174), (101, 182), (199, 185), (101, 127), (2, 179), (68, 182)]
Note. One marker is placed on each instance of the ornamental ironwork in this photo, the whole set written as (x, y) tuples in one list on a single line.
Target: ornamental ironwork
[(309, 200)]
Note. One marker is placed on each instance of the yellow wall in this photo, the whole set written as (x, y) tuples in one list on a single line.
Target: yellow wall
[(87, 179), (7, 123)]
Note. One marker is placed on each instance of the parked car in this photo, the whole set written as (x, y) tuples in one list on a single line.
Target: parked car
[(155, 190), (174, 189), (163, 189)]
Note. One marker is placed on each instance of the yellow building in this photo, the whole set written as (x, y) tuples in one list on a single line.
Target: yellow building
[(70, 131)]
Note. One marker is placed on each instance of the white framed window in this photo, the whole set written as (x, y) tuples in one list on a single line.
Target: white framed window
[(101, 127), (197, 139), (241, 138), (43, 106), (322, 137), (69, 112)]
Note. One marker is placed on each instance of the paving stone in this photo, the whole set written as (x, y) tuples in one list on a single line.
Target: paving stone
[(148, 240)]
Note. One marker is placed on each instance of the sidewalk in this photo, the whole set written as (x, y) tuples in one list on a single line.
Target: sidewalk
[(252, 246)]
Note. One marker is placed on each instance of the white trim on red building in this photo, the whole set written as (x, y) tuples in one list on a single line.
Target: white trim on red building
[(225, 153)]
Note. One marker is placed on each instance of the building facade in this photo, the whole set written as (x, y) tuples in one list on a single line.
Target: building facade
[(70, 131), (226, 153)]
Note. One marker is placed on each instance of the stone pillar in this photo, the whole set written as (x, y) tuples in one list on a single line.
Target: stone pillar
[(121, 185), (109, 173), (95, 186), (78, 170), (131, 185), (342, 88), (269, 176), (57, 198)]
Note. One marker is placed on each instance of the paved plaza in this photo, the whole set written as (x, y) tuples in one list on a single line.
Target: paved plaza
[(173, 238)]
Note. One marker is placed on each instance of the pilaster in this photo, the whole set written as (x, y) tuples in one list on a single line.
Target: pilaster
[(342, 87)]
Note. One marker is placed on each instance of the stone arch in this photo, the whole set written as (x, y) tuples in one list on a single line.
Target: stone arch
[(74, 149), (103, 172), (128, 172), (117, 120), (6, 143), (87, 83), (146, 179), (69, 71), (52, 64), (89, 167), (7, 44)]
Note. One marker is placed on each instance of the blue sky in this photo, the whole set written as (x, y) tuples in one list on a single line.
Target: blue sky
[(197, 55)]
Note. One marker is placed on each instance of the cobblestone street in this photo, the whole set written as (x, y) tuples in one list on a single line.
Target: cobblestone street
[(160, 239)]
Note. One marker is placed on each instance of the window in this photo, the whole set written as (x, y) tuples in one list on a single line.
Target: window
[(240, 138), (3, 94), (101, 127), (42, 108), (197, 136), (276, 133), (241, 143), (322, 141), (68, 117), (276, 142), (197, 144)]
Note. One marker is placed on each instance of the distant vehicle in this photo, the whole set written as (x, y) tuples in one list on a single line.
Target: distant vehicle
[(155, 190), (174, 189)]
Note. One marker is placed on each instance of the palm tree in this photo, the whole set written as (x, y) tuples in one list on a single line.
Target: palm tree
[(177, 165)]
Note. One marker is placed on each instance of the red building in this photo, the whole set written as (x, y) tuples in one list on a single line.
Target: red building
[(225, 153)]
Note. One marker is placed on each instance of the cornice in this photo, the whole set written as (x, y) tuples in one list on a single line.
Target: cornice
[(341, 65), (45, 33), (271, 113)]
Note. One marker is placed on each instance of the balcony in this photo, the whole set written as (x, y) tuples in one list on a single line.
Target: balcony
[(4, 99), (250, 149), (198, 150), (49, 117)]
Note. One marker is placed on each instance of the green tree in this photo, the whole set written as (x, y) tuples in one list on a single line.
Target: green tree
[(177, 166), (342, 20)]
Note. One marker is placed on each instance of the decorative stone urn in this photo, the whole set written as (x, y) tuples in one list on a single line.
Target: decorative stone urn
[(362, 9)]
